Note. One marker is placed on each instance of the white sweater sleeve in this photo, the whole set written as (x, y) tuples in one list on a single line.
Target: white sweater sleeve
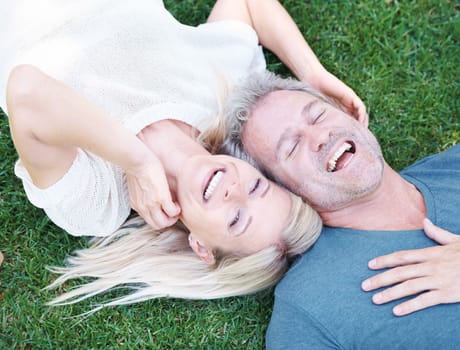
[(90, 199)]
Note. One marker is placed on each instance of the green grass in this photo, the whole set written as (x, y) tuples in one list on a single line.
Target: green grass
[(401, 57)]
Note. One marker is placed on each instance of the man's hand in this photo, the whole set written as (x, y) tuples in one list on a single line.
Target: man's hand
[(331, 86), (433, 272), (150, 195)]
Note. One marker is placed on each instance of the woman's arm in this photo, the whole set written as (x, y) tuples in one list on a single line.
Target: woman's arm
[(278, 33), (431, 274), (49, 121)]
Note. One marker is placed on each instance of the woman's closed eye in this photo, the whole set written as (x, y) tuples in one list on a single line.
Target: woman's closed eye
[(241, 219), (255, 186), (240, 222), (258, 188), (235, 219)]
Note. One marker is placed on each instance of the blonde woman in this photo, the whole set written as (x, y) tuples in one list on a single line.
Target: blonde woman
[(87, 168), (237, 231), (136, 62)]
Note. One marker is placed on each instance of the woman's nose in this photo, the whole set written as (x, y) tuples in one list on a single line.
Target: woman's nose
[(233, 190)]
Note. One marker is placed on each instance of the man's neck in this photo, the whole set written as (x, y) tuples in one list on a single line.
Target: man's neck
[(395, 205)]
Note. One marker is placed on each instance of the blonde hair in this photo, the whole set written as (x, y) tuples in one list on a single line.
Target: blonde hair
[(161, 264), (156, 264)]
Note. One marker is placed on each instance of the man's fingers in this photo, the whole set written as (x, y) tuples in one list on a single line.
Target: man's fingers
[(420, 302), (401, 290), (404, 257), (393, 276), (438, 234)]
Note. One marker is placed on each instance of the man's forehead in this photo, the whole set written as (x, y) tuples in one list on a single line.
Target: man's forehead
[(258, 139), (269, 119), (277, 104)]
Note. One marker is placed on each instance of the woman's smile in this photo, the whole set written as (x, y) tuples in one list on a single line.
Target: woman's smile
[(229, 204), (212, 183)]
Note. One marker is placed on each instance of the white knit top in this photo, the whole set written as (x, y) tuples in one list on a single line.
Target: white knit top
[(138, 63)]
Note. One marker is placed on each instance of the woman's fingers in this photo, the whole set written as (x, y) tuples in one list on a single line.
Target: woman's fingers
[(159, 219), (336, 89), (168, 206), (151, 197)]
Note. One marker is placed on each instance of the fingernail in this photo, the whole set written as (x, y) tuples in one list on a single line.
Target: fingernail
[(397, 310), (372, 263), (377, 298), (366, 285)]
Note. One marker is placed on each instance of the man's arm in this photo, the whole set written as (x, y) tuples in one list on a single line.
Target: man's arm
[(433, 272), (278, 32)]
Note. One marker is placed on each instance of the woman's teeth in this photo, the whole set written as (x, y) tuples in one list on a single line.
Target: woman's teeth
[(213, 184), (333, 161)]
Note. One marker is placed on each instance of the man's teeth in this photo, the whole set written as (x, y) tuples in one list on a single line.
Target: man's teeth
[(333, 161), (213, 184)]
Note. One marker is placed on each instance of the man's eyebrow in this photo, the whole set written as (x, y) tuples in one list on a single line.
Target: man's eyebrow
[(289, 131)]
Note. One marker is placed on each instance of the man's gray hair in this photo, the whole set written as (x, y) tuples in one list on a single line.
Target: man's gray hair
[(244, 98)]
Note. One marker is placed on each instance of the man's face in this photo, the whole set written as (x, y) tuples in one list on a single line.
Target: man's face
[(315, 149)]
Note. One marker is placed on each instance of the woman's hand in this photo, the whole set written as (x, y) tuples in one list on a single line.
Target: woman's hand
[(295, 53), (150, 195), (432, 273), (331, 86)]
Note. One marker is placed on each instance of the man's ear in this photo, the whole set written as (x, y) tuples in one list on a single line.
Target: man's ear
[(201, 250)]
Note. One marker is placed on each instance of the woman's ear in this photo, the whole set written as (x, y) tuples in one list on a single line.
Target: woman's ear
[(201, 250)]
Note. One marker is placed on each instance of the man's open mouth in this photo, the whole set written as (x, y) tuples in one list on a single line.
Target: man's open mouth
[(341, 157)]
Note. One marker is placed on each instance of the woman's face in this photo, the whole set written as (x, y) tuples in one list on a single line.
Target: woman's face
[(227, 204)]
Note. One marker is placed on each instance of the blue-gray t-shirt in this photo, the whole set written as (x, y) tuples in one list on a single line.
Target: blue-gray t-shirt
[(319, 304)]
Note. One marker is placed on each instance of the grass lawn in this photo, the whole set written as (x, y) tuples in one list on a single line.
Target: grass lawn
[(401, 57)]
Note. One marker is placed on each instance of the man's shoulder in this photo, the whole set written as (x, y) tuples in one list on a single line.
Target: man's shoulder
[(448, 159), (319, 268), (438, 178)]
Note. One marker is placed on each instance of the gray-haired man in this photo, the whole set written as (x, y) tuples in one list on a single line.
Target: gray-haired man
[(334, 161)]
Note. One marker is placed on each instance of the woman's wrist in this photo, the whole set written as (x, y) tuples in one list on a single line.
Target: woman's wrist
[(137, 159), (312, 74)]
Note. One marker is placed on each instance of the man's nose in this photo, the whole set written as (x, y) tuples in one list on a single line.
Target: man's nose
[(317, 137)]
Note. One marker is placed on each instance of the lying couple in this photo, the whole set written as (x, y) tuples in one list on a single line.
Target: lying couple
[(124, 132)]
